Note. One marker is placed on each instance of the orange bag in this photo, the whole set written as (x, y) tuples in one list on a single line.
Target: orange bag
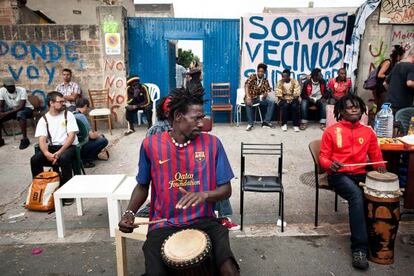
[(40, 197)]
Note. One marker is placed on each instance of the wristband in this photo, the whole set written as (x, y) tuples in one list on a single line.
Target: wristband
[(128, 212)]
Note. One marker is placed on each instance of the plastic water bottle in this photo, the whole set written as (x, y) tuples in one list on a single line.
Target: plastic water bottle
[(384, 121)]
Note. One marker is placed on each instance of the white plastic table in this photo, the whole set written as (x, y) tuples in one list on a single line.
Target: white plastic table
[(85, 186), (123, 192)]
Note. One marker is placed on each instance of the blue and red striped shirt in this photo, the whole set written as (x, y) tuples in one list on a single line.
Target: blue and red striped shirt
[(201, 166)]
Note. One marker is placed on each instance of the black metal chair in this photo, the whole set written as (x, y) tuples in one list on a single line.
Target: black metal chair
[(315, 147), (260, 183)]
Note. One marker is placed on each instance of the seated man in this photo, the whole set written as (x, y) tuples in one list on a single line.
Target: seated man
[(188, 172), (14, 104), (69, 89), (257, 89), (287, 93), (97, 142), (57, 139), (348, 142), (138, 99), (339, 86), (313, 93)]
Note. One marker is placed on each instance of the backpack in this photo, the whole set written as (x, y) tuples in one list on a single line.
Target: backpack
[(40, 197), (371, 82)]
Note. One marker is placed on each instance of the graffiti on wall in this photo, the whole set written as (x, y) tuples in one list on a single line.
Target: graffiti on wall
[(37, 62), (114, 78), (397, 12), (403, 36), (378, 53)]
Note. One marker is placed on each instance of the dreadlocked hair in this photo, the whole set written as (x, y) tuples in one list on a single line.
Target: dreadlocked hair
[(182, 98), (340, 106)]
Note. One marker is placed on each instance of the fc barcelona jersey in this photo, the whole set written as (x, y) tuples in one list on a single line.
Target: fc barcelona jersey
[(200, 166)]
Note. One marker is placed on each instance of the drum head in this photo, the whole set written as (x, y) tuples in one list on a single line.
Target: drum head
[(185, 245), (385, 177)]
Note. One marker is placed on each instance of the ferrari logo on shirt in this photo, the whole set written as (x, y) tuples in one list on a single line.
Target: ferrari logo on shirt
[(361, 140), (199, 155)]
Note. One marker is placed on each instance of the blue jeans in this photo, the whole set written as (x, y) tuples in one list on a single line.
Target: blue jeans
[(305, 109), (224, 208), (269, 110), (294, 107), (346, 185), (92, 148)]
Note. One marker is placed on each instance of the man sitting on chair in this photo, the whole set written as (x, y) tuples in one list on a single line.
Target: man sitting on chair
[(57, 139), (97, 141), (189, 172), (345, 143), (14, 104), (138, 99), (257, 89)]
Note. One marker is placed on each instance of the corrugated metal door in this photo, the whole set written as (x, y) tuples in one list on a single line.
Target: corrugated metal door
[(149, 53)]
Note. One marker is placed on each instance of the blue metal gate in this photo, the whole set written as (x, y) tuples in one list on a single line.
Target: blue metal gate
[(149, 50)]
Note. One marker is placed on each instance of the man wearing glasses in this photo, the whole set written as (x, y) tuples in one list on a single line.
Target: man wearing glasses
[(57, 138)]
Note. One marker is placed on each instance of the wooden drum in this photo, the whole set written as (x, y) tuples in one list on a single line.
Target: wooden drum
[(382, 200), (188, 253)]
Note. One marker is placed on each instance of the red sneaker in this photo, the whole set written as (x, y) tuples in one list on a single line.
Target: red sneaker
[(226, 222)]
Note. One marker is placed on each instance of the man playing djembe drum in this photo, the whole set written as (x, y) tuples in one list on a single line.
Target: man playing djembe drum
[(189, 172), (343, 144)]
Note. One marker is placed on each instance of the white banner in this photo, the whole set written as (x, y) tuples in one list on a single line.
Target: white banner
[(299, 43)]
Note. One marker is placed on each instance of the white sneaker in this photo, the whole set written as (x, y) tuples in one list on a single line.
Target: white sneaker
[(249, 127), (296, 129), (284, 127)]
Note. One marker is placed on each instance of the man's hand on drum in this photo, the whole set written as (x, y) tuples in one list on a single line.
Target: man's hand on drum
[(190, 199), (335, 166), (126, 224), (382, 169)]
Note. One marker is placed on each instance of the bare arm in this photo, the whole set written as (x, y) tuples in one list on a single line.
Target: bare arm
[(93, 135), (45, 150), (410, 83), (138, 197), (384, 68), (68, 142), (192, 199), (72, 97)]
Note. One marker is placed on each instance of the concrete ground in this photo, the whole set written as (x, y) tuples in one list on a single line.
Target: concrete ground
[(261, 249)]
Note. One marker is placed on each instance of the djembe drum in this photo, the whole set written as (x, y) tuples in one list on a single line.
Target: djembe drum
[(187, 253), (382, 201)]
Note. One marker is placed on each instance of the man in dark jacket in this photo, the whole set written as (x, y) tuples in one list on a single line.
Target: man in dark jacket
[(314, 93), (138, 99)]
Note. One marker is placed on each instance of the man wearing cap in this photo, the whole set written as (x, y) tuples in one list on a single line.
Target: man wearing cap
[(14, 104), (138, 99)]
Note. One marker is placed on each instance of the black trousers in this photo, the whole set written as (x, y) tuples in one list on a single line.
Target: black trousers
[(65, 162), (218, 234), (130, 114)]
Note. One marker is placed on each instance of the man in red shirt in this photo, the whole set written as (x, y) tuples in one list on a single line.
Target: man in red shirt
[(339, 86), (349, 142)]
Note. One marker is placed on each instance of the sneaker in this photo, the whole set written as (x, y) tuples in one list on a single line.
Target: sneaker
[(296, 129), (249, 127), (267, 125), (226, 222), (24, 143), (359, 260), (284, 127), (88, 164), (129, 131), (1, 142)]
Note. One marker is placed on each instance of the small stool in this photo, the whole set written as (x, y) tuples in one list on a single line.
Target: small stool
[(139, 233)]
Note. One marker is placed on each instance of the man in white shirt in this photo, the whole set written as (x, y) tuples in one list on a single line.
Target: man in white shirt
[(70, 90), (15, 105), (57, 138), (180, 73)]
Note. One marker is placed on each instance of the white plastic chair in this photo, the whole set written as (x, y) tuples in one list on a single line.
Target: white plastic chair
[(154, 92), (240, 103)]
